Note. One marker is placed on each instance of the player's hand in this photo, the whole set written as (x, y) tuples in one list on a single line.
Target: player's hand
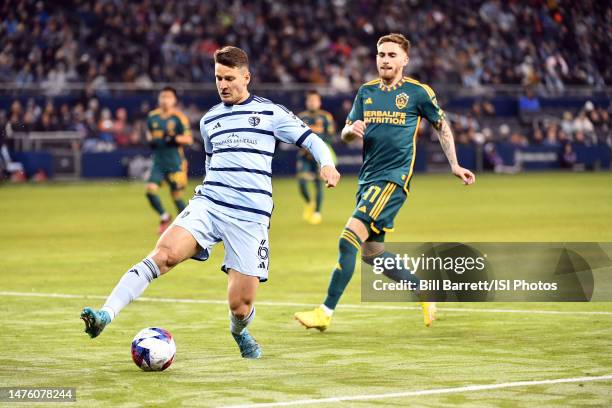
[(464, 174), (358, 128), (330, 175), (170, 141)]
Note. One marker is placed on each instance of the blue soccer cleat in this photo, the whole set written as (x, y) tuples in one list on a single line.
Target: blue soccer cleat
[(247, 344), (95, 321)]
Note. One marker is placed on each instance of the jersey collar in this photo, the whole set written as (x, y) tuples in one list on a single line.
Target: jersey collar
[(247, 100), (386, 88)]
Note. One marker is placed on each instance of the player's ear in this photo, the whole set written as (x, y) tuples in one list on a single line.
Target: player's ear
[(247, 76)]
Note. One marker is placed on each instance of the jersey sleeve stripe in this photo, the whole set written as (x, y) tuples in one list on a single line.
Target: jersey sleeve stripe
[(238, 130), (242, 169), (303, 137), (236, 207), (244, 150), (223, 115), (244, 189)]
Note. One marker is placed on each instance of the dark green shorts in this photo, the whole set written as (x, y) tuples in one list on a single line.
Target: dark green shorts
[(175, 177), (378, 203)]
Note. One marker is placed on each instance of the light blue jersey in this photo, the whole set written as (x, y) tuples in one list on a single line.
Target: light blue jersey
[(240, 141)]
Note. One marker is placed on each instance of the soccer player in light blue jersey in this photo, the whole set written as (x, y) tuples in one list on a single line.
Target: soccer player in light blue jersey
[(234, 203)]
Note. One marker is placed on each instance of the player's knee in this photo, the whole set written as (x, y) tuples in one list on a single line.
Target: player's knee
[(165, 257), (240, 307), (152, 188)]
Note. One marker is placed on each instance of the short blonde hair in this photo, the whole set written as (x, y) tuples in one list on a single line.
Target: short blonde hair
[(395, 38)]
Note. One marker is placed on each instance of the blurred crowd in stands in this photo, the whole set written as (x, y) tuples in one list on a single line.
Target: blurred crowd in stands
[(103, 129), (546, 44), (99, 128)]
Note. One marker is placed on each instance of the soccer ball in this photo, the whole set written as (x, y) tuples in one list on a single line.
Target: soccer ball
[(153, 349)]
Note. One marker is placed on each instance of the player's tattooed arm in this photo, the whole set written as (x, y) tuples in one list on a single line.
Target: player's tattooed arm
[(445, 134)]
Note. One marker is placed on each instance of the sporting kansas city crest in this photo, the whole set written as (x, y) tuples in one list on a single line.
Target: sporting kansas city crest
[(254, 120), (401, 100)]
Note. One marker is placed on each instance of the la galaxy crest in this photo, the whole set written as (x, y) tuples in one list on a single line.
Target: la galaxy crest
[(401, 100)]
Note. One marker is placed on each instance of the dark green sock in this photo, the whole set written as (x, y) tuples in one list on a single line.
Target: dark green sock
[(395, 274), (180, 204), (304, 189), (319, 187), (156, 203), (349, 245)]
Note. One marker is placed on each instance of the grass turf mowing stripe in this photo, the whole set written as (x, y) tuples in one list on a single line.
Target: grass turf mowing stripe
[(292, 304)]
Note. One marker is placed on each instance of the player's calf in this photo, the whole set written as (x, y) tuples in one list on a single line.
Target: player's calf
[(241, 293)]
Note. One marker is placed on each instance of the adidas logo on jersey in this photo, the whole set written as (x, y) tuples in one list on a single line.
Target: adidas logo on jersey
[(217, 126), (369, 101), (362, 208), (262, 265)]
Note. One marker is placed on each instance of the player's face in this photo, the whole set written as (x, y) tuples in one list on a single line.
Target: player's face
[(390, 60), (313, 102), (166, 100), (232, 83)]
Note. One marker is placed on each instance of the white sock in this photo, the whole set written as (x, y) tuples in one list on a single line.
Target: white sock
[(327, 310), (237, 326), (164, 217), (131, 285)]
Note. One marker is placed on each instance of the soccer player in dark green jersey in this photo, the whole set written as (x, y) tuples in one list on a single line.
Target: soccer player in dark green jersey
[(322, 123), (168, 130), (386, 114)]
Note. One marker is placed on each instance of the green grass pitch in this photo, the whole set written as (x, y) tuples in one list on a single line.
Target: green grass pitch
[(78, 239)]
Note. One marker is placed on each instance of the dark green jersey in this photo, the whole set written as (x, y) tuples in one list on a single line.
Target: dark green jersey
[(167, 156), (392, 116), (321, 122)]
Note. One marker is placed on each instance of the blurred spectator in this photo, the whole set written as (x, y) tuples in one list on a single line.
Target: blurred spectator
[(121, 129), (568, 157), (583, 124), (106, 126)]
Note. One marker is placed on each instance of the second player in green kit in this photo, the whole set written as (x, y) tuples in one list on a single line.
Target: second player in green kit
[(322, 123), (168, 130)]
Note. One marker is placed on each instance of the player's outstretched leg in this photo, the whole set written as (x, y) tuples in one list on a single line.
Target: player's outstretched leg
[(241, 294), (320, 318), (176, 245)]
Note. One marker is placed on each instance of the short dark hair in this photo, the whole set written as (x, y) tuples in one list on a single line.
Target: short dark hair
[(169, 89), (232, 57), (395, 38), (313, 92)]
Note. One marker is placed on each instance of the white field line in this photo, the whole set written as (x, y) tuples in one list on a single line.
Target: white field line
[(434, 391), (293, 304)]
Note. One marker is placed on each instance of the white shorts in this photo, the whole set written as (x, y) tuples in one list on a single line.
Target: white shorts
[(246, 242)]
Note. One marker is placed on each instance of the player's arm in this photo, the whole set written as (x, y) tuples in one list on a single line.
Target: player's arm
[(290, 129), (320, 151), (429, 108), (208, 148), (447, 141), (186, 137), (355, 126), (149, 135), (330, 128), (353, 131)]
